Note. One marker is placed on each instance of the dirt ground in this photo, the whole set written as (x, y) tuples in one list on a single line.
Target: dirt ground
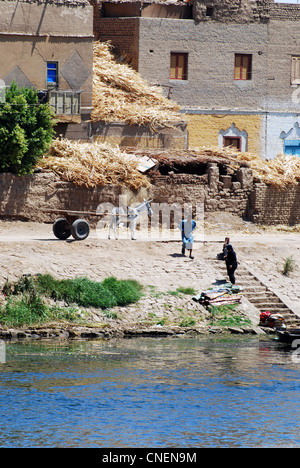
[(31, 248)]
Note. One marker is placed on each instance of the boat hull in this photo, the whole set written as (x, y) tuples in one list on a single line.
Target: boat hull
[(289, 336)]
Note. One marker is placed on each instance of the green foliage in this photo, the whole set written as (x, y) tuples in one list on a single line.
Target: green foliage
[(26, 306), (26, 130), (86, 293), (289, 266), (187, 322), (23, 310), (26, 302), (226, 316), (182, 290)]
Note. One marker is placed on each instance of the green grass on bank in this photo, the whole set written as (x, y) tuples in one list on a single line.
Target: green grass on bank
[(27, 300), (183, 290), (227, 316)]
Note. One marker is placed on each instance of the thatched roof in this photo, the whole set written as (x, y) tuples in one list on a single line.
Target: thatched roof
[(170, 157), (282, 171), (92, 164)]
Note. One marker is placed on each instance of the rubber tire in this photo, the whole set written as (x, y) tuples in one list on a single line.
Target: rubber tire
[(61, 229), (80, 229)]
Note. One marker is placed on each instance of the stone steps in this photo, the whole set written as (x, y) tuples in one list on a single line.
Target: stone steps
[(262, 298)]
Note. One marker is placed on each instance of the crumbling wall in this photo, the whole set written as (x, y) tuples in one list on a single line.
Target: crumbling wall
[(217, 192), (238, 11), (27, 197)]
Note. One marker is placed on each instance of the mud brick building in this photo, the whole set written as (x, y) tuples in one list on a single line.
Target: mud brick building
[(233, 65), (48, 45)]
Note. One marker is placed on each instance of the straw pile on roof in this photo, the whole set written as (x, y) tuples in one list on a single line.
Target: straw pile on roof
[(190, 157), (92, 164), (282, 171), (121, 94)]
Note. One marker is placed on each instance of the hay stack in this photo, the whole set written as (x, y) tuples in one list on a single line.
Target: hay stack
[(92, 164), (282, 171), (121, 94)]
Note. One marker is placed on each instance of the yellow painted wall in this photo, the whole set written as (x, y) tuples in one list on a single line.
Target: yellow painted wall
[(203, 129)]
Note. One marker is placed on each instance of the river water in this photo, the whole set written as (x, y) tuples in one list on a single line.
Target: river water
[(168, 392)]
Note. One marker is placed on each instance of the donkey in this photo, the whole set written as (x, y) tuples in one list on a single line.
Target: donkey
[(130, 217)]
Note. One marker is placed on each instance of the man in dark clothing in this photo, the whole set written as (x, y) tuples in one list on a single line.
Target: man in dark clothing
[(231, 263)]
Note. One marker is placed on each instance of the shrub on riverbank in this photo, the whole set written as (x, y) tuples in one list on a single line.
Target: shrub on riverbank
[(28, 299)]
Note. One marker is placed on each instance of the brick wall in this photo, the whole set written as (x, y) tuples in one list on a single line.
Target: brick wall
[(285, 11), (123, 33), (268, 205), (240, 11)]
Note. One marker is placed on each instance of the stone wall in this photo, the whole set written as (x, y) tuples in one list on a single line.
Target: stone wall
[(27, 197), (239, 11)]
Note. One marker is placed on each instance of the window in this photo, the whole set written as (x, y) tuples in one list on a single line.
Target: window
[(292, 147), (233, 137), (234, 142), (52, 73), (243, 67), (295, 78), (178, 66), (209, 11)]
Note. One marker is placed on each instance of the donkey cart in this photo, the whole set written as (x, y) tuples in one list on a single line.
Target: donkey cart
[(71, 223)]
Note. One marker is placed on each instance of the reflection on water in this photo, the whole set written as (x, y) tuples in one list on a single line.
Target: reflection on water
[(170, 392)]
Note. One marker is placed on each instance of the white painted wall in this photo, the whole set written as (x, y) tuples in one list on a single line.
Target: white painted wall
[(276, 127)]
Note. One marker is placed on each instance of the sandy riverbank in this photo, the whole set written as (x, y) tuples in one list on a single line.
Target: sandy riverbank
[(29, 248)]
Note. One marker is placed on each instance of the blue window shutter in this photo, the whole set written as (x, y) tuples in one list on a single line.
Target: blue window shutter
[(52, 72), (292, 147)]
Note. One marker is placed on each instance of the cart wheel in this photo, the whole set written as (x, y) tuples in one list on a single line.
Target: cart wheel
[(61, 229), (80, 229)]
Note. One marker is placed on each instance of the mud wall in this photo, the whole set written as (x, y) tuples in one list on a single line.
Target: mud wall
[(268, 205), (28, 197)]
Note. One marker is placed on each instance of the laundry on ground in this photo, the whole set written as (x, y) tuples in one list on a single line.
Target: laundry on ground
[(226, 294)]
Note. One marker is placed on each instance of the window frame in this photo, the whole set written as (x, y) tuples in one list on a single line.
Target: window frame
[(233, 137), (65, 102), (295, 69), (209, 13), (242, 66), (177, 56), (52, 84)]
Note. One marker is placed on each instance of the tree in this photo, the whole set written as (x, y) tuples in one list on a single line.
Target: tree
[(26, 130)]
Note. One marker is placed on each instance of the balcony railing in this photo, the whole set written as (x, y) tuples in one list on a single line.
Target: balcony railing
[(64, 102)]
